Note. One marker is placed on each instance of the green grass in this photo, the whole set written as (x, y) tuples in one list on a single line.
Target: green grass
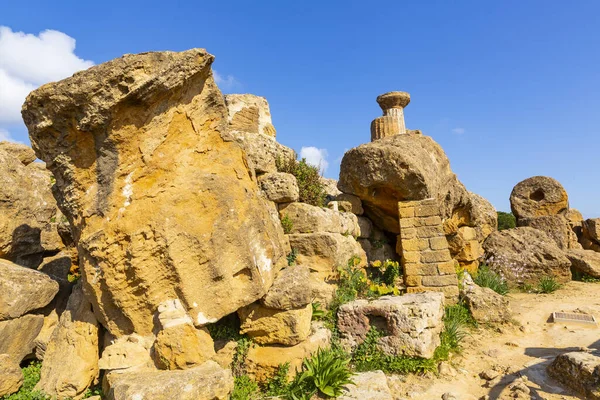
[(548, 284), (245, 389), (291, 257), (583, 277), (287, 224), (485, 277)]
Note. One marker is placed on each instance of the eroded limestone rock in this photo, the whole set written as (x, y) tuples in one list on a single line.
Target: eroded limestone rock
[(579, 371), (555, 226), (525, 255), (148, 228), (538, 196), (585, 261), (370, 385), (28, 211), (263, 362), (249, 113), (290, 290), (306, 218), (279, 187), (270, 326), (11, 376), (206, 382), (127, 352), (485, 305), (70, 363), (23, 290), (411, 324), (18, 335)]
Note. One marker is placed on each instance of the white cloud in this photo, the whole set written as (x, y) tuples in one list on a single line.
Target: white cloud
[(459, 131), (5, 136), (225, 83), (28, 61), (316, 157)]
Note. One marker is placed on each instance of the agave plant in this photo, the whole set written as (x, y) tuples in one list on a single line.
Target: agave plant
[(326, 372)]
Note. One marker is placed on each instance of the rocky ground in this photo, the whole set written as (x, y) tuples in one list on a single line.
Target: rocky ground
[(522, 350)]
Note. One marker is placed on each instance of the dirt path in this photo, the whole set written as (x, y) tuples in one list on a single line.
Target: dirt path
[(519, 351)]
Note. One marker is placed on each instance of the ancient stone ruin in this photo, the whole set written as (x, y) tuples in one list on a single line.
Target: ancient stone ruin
[(169, 247)]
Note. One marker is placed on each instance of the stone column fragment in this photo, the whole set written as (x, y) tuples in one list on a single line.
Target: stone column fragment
[(392, 121)]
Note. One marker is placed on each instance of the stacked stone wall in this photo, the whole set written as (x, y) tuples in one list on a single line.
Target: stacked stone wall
[(426, 258)]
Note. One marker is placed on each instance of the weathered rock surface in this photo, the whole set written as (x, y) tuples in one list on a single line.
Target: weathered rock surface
[(485, 305), (179, 345), (575, 221), (591, 229), (465, 247), (524, 255), (411, 324), (330, 186), (324, 252), (310, 219), (398, 168), (291, 289), (354, 201), (370, 385), (579, 371), (27, 208), (555, 226), (70, 363), (11, 376), (207, 382), (538, 196), (127, 352), (149, 229), (183, 346), (263, 362), (263, 151), (249, 113), (269, 326), (18, 335), (22, 152), (279, 187), (365, 226), (23, 290), (586, 261)]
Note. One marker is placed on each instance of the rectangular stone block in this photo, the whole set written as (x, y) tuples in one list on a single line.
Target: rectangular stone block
[(406, 212), (451, 292), (408, 233), (416, 289), (420, 269), (427, 211), (408, 204), (435, 256), (413, 280), (431, 221), (406, 223), (429, 231), (411, 257), (414, 244), (447, 267), (440, 280), (438, 243)]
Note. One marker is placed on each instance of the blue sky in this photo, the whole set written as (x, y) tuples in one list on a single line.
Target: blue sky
[(508, 88)]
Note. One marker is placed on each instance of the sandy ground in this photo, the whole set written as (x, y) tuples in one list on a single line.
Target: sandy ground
[(520, 350)]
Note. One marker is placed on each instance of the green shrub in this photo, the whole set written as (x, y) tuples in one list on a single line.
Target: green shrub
[(548, 284), (287, 224), (311, 189), (317, 312), (583, 277), (228, 328), (368, 357), (245, 389), (485, 277), (291, 257), (457, 319), (325, 372), (278, 384), (506, 220)]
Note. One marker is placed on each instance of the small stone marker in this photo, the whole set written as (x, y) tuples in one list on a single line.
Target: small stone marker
[(573, 317)]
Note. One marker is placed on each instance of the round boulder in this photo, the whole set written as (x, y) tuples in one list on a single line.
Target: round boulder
[(538, 196)]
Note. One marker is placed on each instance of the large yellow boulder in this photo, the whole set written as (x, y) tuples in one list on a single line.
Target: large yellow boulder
[(161, 199)]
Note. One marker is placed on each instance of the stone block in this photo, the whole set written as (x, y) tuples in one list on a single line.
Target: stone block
[(435, 256), (447, 267), (429, 231), (406, 223), (438, 243), (420, 269), (408, 233), (440, 280), (412, 280), (414, 244), (426, 210), (411, 257), (407, 212)]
